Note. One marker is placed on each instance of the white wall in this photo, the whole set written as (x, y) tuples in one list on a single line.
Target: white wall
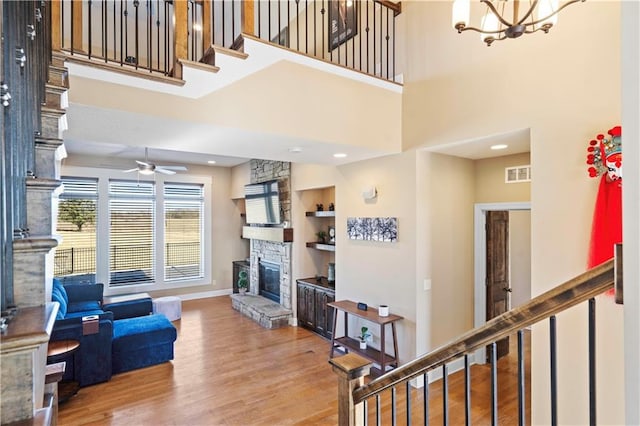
[(565, 87)]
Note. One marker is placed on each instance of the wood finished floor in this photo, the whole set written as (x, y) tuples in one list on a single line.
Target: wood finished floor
[(230, 371)]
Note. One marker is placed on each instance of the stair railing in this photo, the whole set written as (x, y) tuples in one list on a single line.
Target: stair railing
[(159, 35), (354, 396)]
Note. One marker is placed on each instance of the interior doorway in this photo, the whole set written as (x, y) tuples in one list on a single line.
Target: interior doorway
[(518, 244)]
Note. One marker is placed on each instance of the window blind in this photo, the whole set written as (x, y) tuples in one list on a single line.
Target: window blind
[(183, 231), (131, 232)]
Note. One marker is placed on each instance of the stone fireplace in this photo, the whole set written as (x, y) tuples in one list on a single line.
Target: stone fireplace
[(272, 255), (270, 261)]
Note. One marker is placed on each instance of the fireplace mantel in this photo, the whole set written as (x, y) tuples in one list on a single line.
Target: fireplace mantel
[(278, 235)]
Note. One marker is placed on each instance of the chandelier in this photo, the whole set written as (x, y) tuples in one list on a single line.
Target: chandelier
[(541, 15)]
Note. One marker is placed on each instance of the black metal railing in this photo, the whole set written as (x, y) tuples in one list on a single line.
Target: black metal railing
[(131, 263), (142, 34), (581, 289)]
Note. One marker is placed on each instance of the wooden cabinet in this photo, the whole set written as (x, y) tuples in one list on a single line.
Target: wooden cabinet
[(313, 312), (238, 265)]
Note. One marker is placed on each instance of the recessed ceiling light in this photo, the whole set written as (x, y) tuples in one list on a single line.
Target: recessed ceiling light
[(295, 149), (339, 155), (211, 161), (499, 146)]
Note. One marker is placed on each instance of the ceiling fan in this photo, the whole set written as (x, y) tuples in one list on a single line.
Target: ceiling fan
[(147, 168)]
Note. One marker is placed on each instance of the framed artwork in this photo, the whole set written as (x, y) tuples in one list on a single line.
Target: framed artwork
[(383, 229), (343, 23)]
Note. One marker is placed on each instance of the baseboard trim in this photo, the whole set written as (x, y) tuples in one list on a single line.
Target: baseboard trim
[(205, 294)]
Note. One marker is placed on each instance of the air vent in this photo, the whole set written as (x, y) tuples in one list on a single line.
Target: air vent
[(517, 174)]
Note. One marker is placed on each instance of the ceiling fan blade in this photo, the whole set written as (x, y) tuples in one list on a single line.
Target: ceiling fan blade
[(165, 171), (142, 163), (130, 170), (179, 168)]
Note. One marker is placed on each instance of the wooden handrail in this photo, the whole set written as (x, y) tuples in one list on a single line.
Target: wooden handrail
[(573, 292), (396, 7)]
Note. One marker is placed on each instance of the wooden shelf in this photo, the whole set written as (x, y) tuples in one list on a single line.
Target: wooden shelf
[(371, 353), (327, 213), (322, 246)]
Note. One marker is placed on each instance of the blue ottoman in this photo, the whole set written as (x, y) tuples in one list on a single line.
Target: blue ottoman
[(141, 342)]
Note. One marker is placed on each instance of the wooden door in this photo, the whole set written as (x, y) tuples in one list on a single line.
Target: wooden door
[(497, 283)]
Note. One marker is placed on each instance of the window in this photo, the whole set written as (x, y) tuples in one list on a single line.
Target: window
[(131, 236), (183, 205), (151, 234), (75, 257)]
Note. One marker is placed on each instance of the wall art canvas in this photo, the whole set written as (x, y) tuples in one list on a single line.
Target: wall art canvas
[(384, 229)]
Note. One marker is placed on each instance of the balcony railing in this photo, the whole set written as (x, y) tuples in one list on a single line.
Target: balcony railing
[(155, 35)]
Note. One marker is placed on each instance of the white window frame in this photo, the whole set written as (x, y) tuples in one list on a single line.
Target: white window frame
[(102, 249)]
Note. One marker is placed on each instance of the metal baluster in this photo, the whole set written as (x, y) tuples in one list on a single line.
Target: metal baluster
[(224, 18), (367, 29), (297, 25), (353, 39), (445, 392), (425, 399), (360, 28), (288, 20), (494, 384), (364, 412), (158, 34), (306, 26), (126, 32), (374, 38), (269, 20), (315, 29), (233, 21), (121, 33), (149, 36), (592, 361), (114, 32), (387, 38), (521, 389), (408, 390), (393, 406), (467, 391), (378, 419), (89, 29), (394, 46), (323, 10), (381, 41), (553, 371), (136, 4), (167, 47)]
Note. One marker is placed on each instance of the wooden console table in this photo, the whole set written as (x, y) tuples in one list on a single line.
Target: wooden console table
[(350, 344)]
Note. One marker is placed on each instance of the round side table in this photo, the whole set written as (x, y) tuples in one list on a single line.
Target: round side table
[(58, 351)]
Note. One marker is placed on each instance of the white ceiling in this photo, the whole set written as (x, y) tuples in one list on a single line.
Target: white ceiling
[(517, 142)]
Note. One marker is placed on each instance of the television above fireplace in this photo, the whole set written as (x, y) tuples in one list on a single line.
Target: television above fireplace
[(262, 203)]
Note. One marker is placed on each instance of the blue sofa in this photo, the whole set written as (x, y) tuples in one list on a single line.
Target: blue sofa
[(127, 335)]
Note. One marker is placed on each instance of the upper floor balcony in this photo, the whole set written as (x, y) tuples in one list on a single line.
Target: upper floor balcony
[(292, 72)]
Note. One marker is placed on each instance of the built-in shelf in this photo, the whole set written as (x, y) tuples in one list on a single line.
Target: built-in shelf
[(322, 246), (328, 213)]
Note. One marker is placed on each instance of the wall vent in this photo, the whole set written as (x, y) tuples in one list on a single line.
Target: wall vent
[(517, 174)]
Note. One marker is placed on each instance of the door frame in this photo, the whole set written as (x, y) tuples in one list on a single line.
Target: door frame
[(480, 258)]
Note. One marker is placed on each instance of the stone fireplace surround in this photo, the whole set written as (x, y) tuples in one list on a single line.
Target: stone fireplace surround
[(266, 312)]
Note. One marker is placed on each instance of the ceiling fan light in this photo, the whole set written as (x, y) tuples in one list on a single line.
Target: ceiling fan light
[(146, 171)]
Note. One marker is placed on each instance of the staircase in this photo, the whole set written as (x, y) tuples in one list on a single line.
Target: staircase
[(360, 403)]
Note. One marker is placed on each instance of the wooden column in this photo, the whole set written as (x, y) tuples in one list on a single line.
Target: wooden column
[(248, 17), (180, 37), (76, 17), (351, 369), (207, 39), (56, 26)]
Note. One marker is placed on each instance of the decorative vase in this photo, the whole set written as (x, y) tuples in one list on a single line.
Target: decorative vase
[(383, 310), (331, 272), (363, 344), (242, 291)]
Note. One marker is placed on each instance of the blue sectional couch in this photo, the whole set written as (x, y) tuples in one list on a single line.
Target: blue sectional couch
[(120, 338)]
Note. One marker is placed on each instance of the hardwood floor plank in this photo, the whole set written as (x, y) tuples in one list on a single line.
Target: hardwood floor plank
[(230, 371)]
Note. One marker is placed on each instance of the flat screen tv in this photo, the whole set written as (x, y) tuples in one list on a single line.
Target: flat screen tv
[(262, 203)]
